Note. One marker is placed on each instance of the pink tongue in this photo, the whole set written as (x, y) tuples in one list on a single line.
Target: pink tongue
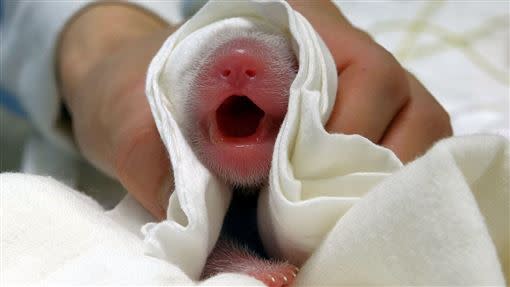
[(238, 117)]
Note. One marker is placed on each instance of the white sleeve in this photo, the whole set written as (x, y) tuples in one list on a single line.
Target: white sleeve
[(29, 33)]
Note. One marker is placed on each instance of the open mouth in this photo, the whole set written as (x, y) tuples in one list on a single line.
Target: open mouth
[(238, 117)]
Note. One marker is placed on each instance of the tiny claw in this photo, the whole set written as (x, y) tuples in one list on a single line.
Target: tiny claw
[(272, 279), (285, 279), (296, 269)]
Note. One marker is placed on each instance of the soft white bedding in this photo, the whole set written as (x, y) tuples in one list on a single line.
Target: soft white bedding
[(443, 219)]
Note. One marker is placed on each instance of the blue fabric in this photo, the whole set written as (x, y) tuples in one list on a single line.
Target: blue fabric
[(190, 7), (11, 103), (7, 100)]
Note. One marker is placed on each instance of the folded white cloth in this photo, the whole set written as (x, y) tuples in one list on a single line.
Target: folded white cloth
[(441, 220), (53, 235), (345, 208)]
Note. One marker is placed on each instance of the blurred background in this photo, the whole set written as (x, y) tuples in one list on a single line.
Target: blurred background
[(458, 49)]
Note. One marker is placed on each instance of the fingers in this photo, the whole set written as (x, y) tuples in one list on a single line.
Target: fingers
[(141, 164), (376, 97), (372, 86), (114, 128), (418, 126), (116, 132), (89, 37), (371, 90), (102, 75)]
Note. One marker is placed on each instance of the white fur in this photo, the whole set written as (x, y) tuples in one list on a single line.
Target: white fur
[(283, 69)]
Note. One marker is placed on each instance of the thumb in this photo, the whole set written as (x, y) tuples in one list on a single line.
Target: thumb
[(115, 131), (113, 124), (141, 164)]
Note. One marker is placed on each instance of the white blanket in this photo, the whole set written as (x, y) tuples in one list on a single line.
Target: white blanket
[(344, 208)]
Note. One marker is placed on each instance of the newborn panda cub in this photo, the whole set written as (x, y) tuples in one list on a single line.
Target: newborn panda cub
[(239, 99)]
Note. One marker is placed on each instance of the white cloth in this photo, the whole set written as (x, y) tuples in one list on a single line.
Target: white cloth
[(441, 220), (52, 234), (348, 204)]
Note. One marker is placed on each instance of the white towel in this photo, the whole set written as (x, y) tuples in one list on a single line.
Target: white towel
[(343, 207)]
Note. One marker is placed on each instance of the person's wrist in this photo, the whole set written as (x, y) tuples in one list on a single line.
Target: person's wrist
[(97, 32)]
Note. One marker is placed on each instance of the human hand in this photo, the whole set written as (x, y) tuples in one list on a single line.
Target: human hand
[(103, 57), (103, 67), (376, 97)]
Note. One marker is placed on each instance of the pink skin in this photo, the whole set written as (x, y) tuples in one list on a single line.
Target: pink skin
[(240, 104), (240, 100), (229, 257)]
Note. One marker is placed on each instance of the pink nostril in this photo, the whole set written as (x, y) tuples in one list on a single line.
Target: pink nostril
[(225, 73), (250, 73)]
